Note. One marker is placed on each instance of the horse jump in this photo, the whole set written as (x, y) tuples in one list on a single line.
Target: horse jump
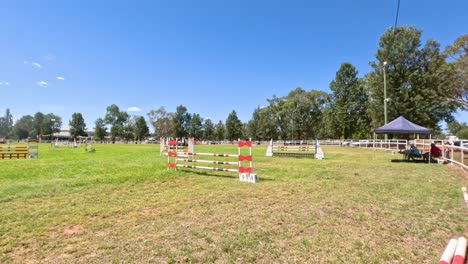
[(30, 150), (181, 158), (164, 145), (295, 150)]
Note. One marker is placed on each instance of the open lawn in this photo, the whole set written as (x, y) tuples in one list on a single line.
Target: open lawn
[(121, 204)]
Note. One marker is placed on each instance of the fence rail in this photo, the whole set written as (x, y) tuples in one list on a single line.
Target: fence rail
[(451, 153)]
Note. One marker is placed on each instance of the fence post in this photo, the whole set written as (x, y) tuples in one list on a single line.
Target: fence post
[(462, 152)]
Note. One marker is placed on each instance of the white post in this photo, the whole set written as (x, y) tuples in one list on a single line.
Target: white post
[(191, 143), (269, 152), (430, 140), (462, 152), (161, 146)]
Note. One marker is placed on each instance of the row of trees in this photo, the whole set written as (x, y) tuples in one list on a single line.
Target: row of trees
[(181, 123), (44, 125), (121, 124), (29, 126)]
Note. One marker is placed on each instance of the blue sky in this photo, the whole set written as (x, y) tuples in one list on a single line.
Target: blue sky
[(211, 56)]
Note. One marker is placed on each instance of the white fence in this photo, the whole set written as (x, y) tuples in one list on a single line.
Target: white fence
[(451, 153)]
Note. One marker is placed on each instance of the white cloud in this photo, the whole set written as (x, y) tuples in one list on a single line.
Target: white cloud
[(133, 109), (42, 84), (61, 78), (5, 83), (33, 63)]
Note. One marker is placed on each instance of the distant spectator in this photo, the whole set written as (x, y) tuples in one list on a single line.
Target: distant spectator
[(435, 153), (411, 153)]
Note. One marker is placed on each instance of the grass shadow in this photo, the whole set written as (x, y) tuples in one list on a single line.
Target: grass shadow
[(205, 173), (408, 161)]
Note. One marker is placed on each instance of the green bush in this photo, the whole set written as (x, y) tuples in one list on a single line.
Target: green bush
[(463, 133)]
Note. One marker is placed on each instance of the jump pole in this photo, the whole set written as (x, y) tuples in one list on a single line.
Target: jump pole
[(449, 252), (460, 251), (465, 195)]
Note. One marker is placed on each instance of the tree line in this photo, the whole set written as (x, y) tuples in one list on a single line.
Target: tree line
[(424, 83)]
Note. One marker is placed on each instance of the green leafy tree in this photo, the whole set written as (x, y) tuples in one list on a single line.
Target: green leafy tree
[(349, 103), (419, 83), (140, 129), (457, 55), (24, 126), (454, 127), (117, 120), (253, 130), (195, 127), (100, 129), (302, 112), (208, 129), (51, 123), (162, 121), (128, 130), (233, 126), (38, 120), (263, 125), (462, 133), (77, 125), (219, 132), (181, 122), (6, 124), (116, 130), (275, 119)]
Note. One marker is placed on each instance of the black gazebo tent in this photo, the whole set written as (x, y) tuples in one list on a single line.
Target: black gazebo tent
[(402, 126)]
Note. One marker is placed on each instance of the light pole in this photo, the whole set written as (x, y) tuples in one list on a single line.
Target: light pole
[(52, 129), (385, 95)]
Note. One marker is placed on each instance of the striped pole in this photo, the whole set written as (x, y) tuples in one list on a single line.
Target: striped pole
[(465, 195), (250, 154), (185, 154), (460, 251), (206, 168), (210, 161), (449, 251)]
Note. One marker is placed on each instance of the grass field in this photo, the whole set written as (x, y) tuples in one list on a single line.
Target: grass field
[(121, 204)]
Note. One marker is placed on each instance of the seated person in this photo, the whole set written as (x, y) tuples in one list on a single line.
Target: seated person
[(435, 153), (412, 152)]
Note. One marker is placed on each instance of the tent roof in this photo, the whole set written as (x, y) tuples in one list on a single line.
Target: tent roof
[(402, 126)]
